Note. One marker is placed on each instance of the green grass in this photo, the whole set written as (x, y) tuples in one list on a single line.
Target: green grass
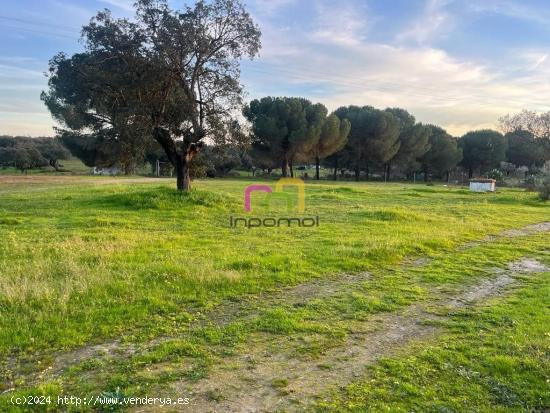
[(78, 263), (71, 166), (493, 359), (83, 263)]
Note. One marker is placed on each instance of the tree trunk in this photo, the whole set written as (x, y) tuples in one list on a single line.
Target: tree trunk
[(388, 171), (284, 168), (291, 170), (357, 173), (470, 173), (336, 168), (182, 173), (367, 171), (179, 158), (317, 164), (425, 175), (54, 163)]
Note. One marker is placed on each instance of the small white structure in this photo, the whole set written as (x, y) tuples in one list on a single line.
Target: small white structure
[(482, 185), (112, 170)]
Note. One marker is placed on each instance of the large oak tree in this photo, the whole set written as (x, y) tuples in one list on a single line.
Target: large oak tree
[(167, 75)]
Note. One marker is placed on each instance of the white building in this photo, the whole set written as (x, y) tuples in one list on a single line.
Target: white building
[(482, 185), (112, 170)]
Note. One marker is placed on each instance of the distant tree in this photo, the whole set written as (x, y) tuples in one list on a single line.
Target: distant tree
[(216, 161), (333, 138), (537, 124), (167, 75), (225, 158), (338, 161), (413, 142), (100, 149), (155, 154), (247, 162), (21, 153), (7, 155), (36, 160), (524, 149), (373, 139), (443, 155), (284, 128), (22, 159), (8, 141), (53, 150), (482, 150), (231, 132)]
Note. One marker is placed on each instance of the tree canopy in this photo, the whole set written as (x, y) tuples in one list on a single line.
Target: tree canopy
[(444, 153), (333, 138), (285, 129), (373, 139), (482, 150), (524, 149), (167, 75), (27, 153)]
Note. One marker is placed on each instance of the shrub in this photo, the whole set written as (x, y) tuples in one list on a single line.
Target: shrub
[(530, 183), (544, 190), (496, 174)]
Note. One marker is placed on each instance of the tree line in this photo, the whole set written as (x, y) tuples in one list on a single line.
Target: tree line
[(368, 141), (26, 153), (165, 86)]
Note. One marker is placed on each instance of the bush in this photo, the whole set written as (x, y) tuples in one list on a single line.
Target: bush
[(544, 190), (530, 183), (496, 174)]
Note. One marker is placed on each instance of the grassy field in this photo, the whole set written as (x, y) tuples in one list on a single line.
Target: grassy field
[(71, 166), (124, 286)]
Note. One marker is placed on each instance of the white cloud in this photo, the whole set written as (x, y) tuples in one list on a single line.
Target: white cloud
[(340, 24), (514, 9), (433, 22), (438, 88)]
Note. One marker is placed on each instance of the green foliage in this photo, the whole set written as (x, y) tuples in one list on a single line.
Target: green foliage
[(443, 155), (414, 141), (285, 129), (524, 149), (167, 75), (373, 139), (544, 189), (26, 153), (496, 174), (482, 150), (332, 139)]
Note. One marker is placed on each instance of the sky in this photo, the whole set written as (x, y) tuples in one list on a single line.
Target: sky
[(460, 64)]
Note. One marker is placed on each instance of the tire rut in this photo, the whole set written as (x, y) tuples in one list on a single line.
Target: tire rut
[(245, 383)]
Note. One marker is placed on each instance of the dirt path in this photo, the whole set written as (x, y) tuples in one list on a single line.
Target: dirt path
[(264, 378), (511, 233), (246, 308)]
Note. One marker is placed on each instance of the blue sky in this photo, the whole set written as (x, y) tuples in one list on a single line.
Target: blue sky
[(460, 64)]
